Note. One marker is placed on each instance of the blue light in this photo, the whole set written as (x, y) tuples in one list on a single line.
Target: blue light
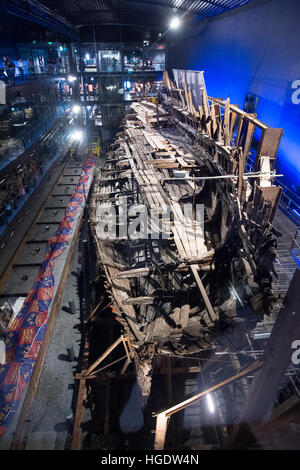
[(238, 57)]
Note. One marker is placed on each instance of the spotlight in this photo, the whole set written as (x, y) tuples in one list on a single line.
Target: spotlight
[(87, 56), (175, 23), (76, 109), (77, 135), (71, 78)]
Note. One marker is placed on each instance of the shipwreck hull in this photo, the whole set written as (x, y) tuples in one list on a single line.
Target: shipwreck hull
[(204, 281)]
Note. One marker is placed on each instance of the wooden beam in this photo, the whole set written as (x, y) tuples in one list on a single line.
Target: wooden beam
[(163, 417), (241, 168), (249, 137), (107, 408), (185, 91), (125, 366), (132, 273), (226, 123), (103, 356), (139, 300), (211, 313), (94, 374), (213, 119), (242, 113), (77, 430)]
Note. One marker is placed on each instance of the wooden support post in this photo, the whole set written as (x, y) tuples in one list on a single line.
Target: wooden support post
[(168, 380), (213, 119), (160, 431), (239, 131), (107, 408), (125, 347), (185, 91), (232, 123), (205, 111), (205, 103), (212, 315), (241, 169), (131, 351), (91, 315), (268, 146), (125, 366), (226, 123), (77, 431), (166, 80), (249, 137)]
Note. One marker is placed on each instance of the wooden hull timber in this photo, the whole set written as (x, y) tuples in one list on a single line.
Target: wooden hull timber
[(176, 295)]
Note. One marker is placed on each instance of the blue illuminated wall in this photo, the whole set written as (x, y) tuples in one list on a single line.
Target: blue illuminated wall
[(255, 49)]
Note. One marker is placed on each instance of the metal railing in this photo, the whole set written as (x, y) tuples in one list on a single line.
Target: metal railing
[(289, 203)]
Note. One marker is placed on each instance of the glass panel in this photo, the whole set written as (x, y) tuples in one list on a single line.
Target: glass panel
[(16, 188), (110, 61), (91, 89), (138, 59), (86, 58), (111, 90)]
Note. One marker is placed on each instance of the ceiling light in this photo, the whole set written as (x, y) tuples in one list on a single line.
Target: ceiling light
[(71, 78), (210, 403), (77, 135), (175, 23), (76, 109)]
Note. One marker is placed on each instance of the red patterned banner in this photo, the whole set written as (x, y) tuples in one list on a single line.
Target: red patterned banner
[(26, 333)]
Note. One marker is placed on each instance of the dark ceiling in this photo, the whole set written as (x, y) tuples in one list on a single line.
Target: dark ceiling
[(112, 20), (150, 13)]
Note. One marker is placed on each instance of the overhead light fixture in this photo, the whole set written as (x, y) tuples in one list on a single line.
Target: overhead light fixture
[(76, 109), (210, 403), (71, 78), (77, 135), (175, 23)]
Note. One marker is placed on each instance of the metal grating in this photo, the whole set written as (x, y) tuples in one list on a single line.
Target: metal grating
[(154, 13)]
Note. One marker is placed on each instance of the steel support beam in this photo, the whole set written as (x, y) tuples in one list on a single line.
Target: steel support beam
[(35, 12)]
